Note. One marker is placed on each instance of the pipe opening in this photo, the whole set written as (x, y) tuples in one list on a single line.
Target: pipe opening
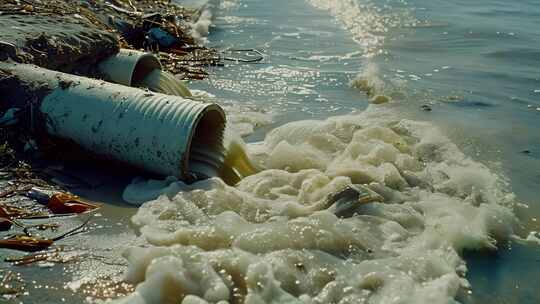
[(206, 154), (144, 66)]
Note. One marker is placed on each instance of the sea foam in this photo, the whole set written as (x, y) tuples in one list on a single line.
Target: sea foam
[(271, 238)]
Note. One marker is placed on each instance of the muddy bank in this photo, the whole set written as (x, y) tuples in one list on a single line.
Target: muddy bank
[(72, 37), (56, 35)]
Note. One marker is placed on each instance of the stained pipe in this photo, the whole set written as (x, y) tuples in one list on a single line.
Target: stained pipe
[(162, 134), (135, 68)]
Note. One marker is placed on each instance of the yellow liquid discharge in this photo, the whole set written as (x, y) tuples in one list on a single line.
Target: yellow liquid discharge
[(237, 164), (166, 83)]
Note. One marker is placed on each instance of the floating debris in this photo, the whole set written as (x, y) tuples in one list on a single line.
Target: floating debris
[(426, 108), (347, 200)]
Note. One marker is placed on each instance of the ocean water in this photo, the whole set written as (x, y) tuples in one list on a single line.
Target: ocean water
[(432, 105)]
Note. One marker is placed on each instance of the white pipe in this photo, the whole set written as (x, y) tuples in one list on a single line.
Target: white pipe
[(163, 134), (135, 69), (128, 66)]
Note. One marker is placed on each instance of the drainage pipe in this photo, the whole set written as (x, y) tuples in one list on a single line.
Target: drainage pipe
[(162, 134), (135, 69)]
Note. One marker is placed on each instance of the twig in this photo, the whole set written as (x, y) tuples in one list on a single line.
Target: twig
[(72, 231)]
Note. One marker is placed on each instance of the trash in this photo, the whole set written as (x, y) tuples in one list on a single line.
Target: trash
[(347, 200), (62, 203), (247, 55), (59, 202), (40, 195), (19, 213), (426, 108), (158, 37), (28, 243)]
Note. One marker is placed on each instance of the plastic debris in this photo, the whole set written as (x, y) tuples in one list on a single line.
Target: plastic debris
[(242, 55), (29, 243), (40, 195), (347, 200), (26, 243), (157, 36), (61, 203)]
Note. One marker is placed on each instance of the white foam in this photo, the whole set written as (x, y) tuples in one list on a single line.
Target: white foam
[(201, 28), (271, 238)]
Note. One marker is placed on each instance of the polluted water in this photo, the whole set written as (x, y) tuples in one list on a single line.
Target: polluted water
[(236, 163), (164, 82), (271, 237)]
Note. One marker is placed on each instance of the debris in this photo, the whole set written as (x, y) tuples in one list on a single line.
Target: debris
[(347, 200), (426, 108), (40, 195), (248, 55), (5, 222), (28, 243), (19, 213), (11, 285), (62, 203), (54, 256), (156, 36)]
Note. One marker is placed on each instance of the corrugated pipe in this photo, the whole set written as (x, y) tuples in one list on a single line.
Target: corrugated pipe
[(162, 134), (139, 69)]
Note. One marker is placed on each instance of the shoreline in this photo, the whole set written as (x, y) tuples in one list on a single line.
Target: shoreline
[(62, 37)]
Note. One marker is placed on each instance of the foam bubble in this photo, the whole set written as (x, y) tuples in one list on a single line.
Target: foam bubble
[(272, 238)]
